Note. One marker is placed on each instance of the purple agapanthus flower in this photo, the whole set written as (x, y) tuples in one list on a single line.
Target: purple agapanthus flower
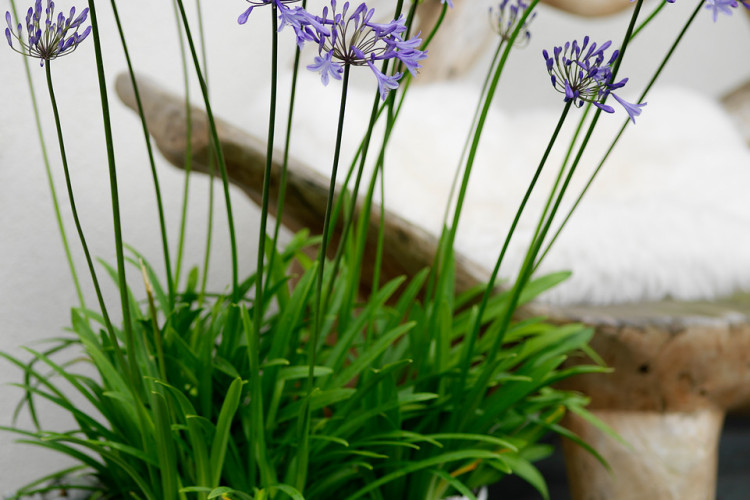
[(724, 6), (503, 20), (50, 38), (581, 74), (450, 3), (356, 40)]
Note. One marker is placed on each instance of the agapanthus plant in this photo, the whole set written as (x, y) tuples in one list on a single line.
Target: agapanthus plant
[(356, 40), (49, 39), (503, 20), (579, 72)]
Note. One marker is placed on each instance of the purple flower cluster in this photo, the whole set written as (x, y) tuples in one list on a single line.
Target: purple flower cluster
[(356, 40), (580, 72), (349, 38), (724, 6), (55, 39), (503, 20)]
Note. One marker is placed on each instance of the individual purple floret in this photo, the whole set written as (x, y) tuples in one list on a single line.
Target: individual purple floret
[(503, 20), (280, 4), (49, 39), (356, 40), (326, 66), (724, 6), (450, 3), (581, 74), (287, 15)]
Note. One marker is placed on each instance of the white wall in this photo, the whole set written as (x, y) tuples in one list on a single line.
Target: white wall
[(35, 288)]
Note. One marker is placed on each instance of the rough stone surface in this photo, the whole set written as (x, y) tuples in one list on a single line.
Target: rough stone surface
[(669, 456)]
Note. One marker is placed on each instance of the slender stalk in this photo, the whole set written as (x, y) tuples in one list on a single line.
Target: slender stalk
[(658, 72), (149, 149), (563, 166), (219, 152), (364, 149), (472, 127), (211, 166), (285, 161), (76, 219), (445, 250), (327, 219), (480, 123), (122, 279), (155, 331), (50, 181), (133, 372), (349, 216), (259, 301), (304, 420), (188, 167), (489, 289), (528, 265), (649, 19)]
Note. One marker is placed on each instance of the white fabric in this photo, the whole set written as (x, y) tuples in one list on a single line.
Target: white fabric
[(668, 216)]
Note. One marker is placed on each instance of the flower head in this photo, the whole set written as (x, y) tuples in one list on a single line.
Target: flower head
[(724, 6), (50, 38), (580, 72), (504, 18), (354, 39)]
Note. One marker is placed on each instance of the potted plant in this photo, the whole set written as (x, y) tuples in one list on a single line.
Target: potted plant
[(318, 375)]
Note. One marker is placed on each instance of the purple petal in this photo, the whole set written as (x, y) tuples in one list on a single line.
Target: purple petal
[(569, 91), (327, 68), (604, 107), (83, 35), (243, 17), (385, 83), (632, 109)]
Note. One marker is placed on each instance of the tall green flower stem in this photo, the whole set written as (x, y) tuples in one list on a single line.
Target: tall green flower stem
[(219, 152), (528, 266), (285, 161), (50, 181), (651, 83), (438, 287), (122, 281), (473, 335), (405, 84), (211, 166), (259, 302), (365, 212), (188, 167), (362, 153), (472, 128), (445, 249), (133, 372), (76, 220), (149, 149), (304, 419)]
